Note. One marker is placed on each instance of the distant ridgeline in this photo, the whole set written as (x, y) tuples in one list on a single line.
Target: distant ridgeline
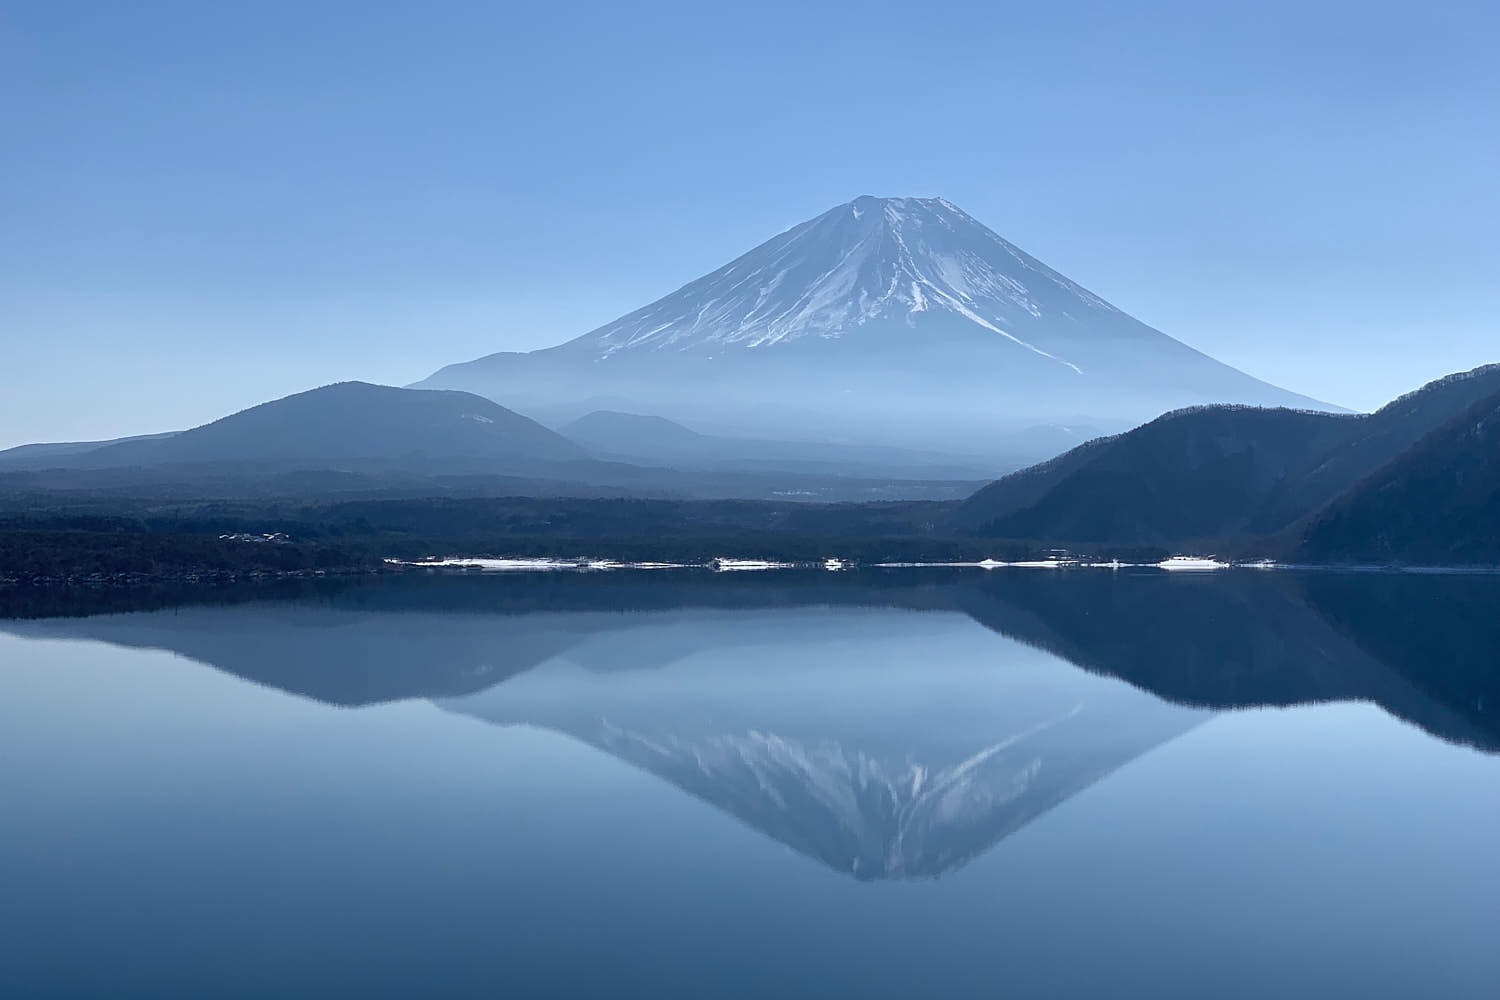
[(352, 474)]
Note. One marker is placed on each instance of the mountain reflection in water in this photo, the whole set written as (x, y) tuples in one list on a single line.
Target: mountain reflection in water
[(835, 712)]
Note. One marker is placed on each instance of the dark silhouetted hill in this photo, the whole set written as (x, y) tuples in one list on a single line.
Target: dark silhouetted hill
[(1438, 503), (1213, 473), (353, 424)]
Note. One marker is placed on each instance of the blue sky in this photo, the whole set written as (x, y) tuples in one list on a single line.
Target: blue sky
[(208, 205)]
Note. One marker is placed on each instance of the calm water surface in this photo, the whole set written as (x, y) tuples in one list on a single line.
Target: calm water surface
[(914, 784)]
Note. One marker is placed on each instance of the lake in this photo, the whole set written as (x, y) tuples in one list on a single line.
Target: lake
[(906, 783)]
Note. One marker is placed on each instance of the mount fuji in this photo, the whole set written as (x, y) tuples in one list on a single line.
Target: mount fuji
[(900, 320)]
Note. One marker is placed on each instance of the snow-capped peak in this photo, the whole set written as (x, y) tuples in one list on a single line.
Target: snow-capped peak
[(872, 263)]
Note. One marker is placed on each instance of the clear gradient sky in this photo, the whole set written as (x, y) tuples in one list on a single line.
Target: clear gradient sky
[(206, 205)]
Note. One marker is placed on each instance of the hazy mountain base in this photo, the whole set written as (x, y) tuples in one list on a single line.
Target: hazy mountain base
[(650, 440), (894, 321), (976, 395)]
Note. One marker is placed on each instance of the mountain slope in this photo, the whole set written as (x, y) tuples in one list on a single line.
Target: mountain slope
[(343, 425), (901, 320), (1212, 472), (1437, 503)]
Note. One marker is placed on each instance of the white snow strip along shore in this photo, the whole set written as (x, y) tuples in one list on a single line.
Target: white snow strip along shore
[(730, 565)]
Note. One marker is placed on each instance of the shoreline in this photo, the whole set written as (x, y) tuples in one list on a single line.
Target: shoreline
[(1173, 564), (484, 565), (186, 578)]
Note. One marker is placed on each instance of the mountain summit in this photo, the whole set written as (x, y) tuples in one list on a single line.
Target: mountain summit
[(852, 270), (899, 319)]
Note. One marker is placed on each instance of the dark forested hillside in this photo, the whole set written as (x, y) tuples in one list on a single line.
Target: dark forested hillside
[(1212, 473), (1190, 474), (1438, 503)]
